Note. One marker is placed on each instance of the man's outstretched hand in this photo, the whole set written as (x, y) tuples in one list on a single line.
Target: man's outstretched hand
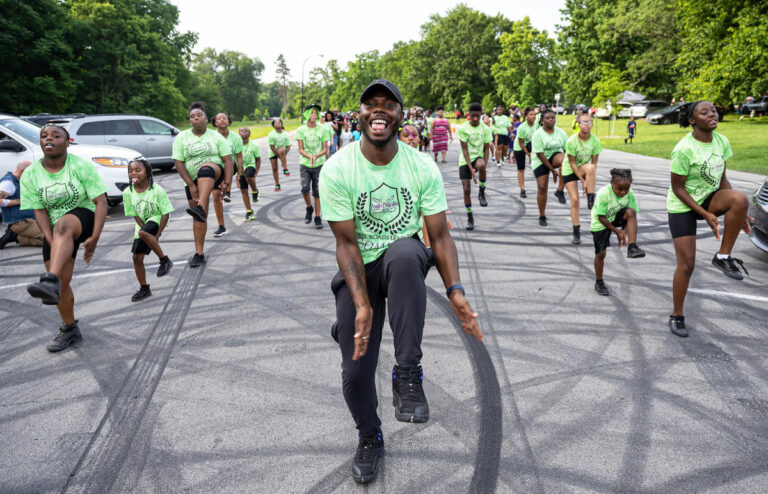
[(466, 315)]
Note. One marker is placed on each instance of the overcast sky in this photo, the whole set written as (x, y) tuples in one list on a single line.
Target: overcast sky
[(334, 29)]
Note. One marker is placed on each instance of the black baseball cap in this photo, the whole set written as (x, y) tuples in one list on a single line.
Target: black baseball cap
[(384, 84)]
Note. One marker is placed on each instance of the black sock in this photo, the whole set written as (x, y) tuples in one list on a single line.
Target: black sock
[(576, 228), (145, 287), (164, 258), (599, 282), (632, 245)]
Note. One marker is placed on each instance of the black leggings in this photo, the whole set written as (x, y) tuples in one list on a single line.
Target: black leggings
[(398, 275)]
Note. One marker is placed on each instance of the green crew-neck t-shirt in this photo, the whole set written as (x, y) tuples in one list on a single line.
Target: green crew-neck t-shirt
[(76, 185), (279, 140), (476, 139), (234, 140), (501, 124), (149, 205), (583, 151), (548, 144), (194, 150), (385, 202), (251, 151), (609, 204), (703, 165), (524, 132), (312, 138)]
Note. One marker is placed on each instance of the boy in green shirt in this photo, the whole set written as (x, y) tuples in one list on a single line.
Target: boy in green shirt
[(251, 165), (279, 143), (615, 211), (313, 147), (475, 139)]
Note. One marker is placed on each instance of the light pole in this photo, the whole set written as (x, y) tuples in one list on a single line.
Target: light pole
[(301, 110)]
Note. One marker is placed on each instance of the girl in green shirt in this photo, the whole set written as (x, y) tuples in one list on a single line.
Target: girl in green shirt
[(251, 165), (69, 199), (583, 150), (522, 146), (699, 190), (222, 123), (279, 144)]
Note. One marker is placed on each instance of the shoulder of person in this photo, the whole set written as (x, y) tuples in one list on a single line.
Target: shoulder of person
[(720, 137), (685, 143)]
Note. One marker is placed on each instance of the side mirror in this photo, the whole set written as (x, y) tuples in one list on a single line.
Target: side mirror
[(11, 146), (174, 132)]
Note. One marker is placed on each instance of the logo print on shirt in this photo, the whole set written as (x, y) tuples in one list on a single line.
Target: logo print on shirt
[(385, 209), (712, 169), (312, 143), (144, 208)]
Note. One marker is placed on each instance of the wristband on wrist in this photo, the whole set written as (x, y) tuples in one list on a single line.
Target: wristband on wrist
[(451, 288), (5, 203)]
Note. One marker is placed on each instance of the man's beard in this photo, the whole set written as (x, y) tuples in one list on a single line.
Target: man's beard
[(381, 143)]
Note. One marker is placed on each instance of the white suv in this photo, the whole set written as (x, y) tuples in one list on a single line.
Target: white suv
[(20, 141)]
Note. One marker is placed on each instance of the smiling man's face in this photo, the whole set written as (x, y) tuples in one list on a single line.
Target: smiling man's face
[(380, 116)]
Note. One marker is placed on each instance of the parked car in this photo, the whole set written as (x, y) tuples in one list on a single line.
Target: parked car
[(43, 118), (148, 136), (604, 112), (20, 141), (759, 211), (574, 109), (643, 108), (559, 109), (760, 107), (669, 115)]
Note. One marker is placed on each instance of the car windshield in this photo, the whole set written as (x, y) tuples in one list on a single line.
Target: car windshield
[(27, 130)]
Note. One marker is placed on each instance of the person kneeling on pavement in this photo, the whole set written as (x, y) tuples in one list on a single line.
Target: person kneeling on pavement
[(22, 227), (373, 194)]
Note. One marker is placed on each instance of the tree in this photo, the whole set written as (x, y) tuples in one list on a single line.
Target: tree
[(283, 73), (610, 85), (359, 74), (228, 81)]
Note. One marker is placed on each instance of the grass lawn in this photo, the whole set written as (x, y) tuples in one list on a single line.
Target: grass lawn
[(749, 139), (258, 129)]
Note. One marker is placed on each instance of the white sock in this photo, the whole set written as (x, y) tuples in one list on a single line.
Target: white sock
[(723, 256)]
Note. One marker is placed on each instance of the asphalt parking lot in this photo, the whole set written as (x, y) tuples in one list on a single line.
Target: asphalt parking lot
[(227, 379)]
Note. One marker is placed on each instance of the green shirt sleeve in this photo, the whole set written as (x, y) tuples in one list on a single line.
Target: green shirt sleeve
[(335, 201), (29, 197), (681, 163), (127, 203), (537, 143), (223, 146), (178, 148), (632, 201), (463, 134), (433, 193), (488, 135), (164, 203), (598, 146), (600, 207)]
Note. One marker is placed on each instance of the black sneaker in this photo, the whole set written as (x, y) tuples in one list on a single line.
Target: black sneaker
[(590, 200), (318, 222), (198, 213), (542, 221), (365, 464), (227, 197), (8, 237), (677, 326), (220, 232), (523, 194), (576, 238), (727, 266), (48, 289), (165, 266), (633, 251), (470, 221), (560, 196), (308, 216), (196, 260), (68, 334), (408, 394), (143, 293), (601, 289), (248, 216), (481, 197), (255, 196)]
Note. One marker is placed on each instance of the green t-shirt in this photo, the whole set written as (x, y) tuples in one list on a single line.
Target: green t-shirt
[(583, 151), (210, 147), (501, 124), (236, 142), (251, 151), (149, 205), (476, 139), (74, 186), (703, 165), (548, 144), (524, 132), (279, 140), (385, 202), (329, 132), (608, 204), (313, 139)]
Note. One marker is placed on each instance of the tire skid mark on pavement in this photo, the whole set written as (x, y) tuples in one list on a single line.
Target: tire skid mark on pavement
[(100, 463)]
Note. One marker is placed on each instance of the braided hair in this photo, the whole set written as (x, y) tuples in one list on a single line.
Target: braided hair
[(621, 174), (147, 168), (684, 117)]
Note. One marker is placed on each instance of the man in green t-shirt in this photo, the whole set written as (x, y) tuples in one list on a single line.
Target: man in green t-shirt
[(375, 193), (313, 146), (475, 139)]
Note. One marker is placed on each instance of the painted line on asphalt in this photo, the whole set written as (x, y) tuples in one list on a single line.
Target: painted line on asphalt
[(742, 296)]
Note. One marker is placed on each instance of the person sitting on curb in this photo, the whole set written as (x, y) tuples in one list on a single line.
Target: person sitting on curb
[(22, 227)]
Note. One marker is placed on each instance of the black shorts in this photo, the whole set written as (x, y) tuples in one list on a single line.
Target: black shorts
[(519, 159), (310, 178), (86, 217), (570, 178), (542, 170), (464, 172), (602, 238), (139, 246), (218, 182), (684, 224), (502, 140)]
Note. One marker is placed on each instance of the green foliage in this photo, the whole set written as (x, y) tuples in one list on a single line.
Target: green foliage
[(228, 81), (611, 83)]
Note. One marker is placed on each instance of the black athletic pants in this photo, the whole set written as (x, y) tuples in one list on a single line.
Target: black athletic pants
[(398, 275)]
